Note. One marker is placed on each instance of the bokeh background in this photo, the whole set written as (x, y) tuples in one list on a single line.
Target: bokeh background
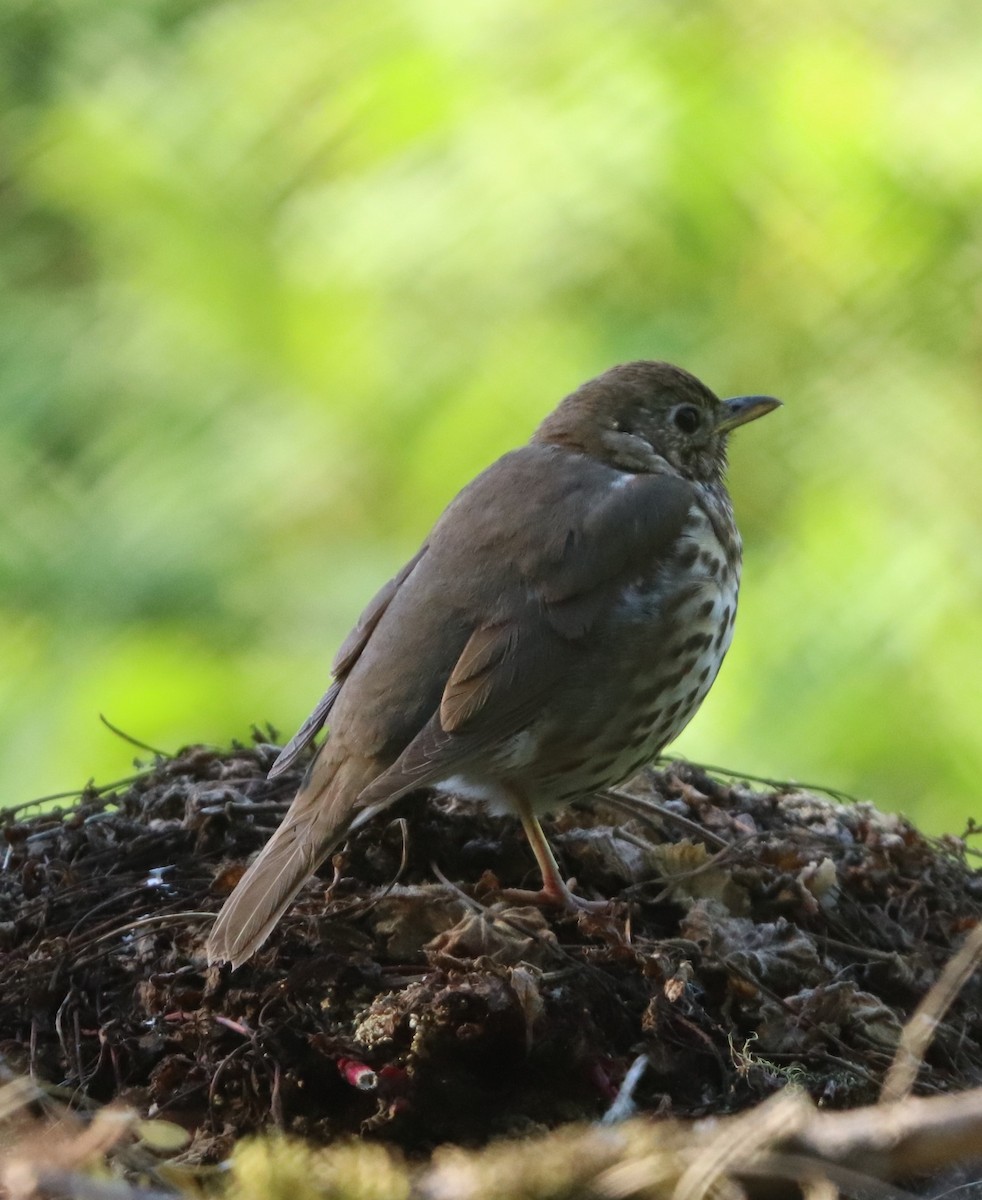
[(278, 276)]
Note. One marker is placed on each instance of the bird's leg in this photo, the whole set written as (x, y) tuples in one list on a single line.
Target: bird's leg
[(555, 890)]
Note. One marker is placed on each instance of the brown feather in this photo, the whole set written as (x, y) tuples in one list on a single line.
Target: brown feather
[(315, 824), (509, 691), (472, 680)]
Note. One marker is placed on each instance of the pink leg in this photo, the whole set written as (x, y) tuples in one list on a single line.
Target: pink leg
[(555, 891)]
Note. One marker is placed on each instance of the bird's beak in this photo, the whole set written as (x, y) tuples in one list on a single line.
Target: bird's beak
[(738, 410)]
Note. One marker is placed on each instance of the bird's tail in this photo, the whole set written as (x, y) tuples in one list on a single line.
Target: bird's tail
[(315, 824)]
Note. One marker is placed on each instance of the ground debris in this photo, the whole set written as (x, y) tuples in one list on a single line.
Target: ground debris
[(756, 936)]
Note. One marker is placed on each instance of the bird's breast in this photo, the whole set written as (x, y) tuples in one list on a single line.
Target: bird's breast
[(666, 641), (685, 614), (647, 670)]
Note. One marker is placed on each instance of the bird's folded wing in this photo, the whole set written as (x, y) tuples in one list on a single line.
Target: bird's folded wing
[(498, 685), (508, 670), (634, 528)]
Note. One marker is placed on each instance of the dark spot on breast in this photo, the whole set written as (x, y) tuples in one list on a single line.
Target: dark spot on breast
[(692, 697), (724, 616), (673, 680), (711, 563), (673, 709), (706, 607), (698, 641), (680, 599), (704, 674), (662, 730), (687, 556)]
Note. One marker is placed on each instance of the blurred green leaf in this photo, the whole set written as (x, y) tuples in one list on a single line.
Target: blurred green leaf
[(276, 280)]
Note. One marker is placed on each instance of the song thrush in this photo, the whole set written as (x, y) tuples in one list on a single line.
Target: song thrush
[(560, 625)]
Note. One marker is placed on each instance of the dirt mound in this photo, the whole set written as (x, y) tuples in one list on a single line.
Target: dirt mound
[(754, 936)]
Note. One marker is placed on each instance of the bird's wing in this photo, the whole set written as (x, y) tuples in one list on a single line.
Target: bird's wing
[(510, 667), (306, 733), (344, 660), (615, 542), (542, 586)]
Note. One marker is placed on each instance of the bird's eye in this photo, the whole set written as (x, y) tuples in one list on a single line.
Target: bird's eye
[(619, 425), (686, 418)]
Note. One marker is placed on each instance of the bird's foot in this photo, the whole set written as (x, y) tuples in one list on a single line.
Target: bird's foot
[(554, 894)]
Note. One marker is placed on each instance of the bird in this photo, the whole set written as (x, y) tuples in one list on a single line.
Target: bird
[(560, 625)]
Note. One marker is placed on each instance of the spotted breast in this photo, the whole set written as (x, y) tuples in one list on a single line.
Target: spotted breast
[(693, 631), (656, 659)]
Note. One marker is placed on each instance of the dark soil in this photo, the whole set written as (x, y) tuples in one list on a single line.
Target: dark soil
[(754, 936)]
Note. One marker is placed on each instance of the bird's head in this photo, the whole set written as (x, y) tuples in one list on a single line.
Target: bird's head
[(652, 417)]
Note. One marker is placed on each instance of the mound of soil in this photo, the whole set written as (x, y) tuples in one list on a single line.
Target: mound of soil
[(754, 936)]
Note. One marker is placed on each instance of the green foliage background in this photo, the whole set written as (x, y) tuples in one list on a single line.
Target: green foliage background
[(278, 276)]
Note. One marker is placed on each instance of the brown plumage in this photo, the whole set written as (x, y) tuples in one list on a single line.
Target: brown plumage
[(561, 624)]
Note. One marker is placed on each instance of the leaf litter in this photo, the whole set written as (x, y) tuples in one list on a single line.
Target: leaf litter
[(757, 936)]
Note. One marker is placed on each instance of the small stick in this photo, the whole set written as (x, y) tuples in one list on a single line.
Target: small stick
[(919, 1030)]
